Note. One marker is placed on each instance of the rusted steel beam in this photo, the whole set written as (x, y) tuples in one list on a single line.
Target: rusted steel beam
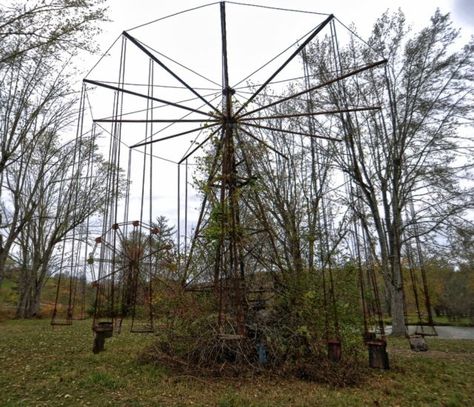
[(155, 121), (262, 142), (139, 45), (292, 56), (170, 137), (130, 92), (295, 133), (312, 89), (199, 146), (288, 116)]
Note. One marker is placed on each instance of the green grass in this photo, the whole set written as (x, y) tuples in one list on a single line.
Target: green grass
[(40, 366)]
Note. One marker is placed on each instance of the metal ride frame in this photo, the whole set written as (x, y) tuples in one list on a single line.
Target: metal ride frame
[(230, 123), (226, 123)]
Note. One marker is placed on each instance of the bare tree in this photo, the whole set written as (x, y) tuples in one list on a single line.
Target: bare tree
[(34, 106), (66, 183), (56, 25), (36, 98), (412, 153)]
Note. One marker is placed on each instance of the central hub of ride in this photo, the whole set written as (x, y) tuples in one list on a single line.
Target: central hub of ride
[(228, 91)]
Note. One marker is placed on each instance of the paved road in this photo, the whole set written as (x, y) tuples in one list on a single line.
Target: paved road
[(445, 332), (455, 332)]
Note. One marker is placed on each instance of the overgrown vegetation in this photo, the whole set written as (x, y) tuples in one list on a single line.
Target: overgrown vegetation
[(287, 334)]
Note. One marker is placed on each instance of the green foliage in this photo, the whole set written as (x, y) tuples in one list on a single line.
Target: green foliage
[(179, 310), (457, 298), (313, 317), (8, 299)]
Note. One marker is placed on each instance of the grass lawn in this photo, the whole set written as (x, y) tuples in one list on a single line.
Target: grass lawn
[(40, 366)]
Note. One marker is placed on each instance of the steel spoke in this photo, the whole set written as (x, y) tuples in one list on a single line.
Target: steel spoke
[(172, 136), (130, 92), (295, 133), (312, 89)]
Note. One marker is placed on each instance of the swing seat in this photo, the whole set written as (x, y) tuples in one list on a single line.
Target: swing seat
[(334, 350), (418, 343), (104, 329), (369, 336), (142, 330), (378, 356)]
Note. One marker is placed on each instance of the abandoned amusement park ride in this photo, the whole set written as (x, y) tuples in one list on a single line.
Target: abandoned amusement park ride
[(144, 103)]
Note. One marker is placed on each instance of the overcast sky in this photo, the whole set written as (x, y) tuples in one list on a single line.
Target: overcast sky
[(178, 33), (127, 14)]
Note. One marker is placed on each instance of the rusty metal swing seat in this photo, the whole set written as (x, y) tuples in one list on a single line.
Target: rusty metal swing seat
[(378, 356), (334, 350), (55, 321), (374, 327), (102, 330), (59, 318), (69, 293)]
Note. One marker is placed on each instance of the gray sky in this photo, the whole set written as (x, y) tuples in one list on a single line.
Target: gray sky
[(126, 14), (254, 35), (463, 12)]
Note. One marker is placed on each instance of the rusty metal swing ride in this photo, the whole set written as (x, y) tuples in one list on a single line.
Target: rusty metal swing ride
[(125, 257)]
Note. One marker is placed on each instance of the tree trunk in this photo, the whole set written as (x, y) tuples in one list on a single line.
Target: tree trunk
[(397, 308), (2, 268), (34, 303), (28, 305), (23, 302), (3, 262), (395, 233)]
